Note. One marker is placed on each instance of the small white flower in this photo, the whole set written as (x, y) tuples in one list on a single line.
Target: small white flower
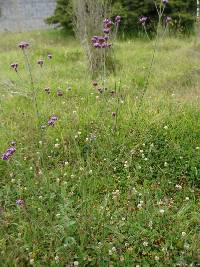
[(40, 172), (31, 261), (197, 148), (145, 244), (165, 164), (76, 263), (13, 180), (74, 111), (165, 127), (79, 133), (141, 151), (178, 186), (40, 197), (162, 211), (31, 168), (186, 246), (57, 180), (145, 159), (183, 234), (110, 252), (114, 249), (40, 142), (56, 258), (187, 198), (157, 258), (58, 215), (66, 163), (90, 171), (56, 145)]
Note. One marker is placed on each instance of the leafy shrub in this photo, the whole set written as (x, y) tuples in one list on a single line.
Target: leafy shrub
[(182, 12)]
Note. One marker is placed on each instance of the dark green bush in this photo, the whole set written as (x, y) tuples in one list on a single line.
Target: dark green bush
[(182, 12)]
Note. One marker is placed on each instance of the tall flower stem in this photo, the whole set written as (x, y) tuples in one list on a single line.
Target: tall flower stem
[(34, 94)]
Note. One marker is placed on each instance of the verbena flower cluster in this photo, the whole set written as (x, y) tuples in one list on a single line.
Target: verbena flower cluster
[(143, 19), (52, 120), (103, 41), (9, 152)]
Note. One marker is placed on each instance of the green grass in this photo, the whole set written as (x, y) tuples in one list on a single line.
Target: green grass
[(98, 190)]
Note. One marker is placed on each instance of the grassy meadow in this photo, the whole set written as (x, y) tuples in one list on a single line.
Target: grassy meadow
[(115, 183)]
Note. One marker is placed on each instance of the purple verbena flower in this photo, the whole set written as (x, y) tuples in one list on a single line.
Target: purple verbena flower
[(47, 90), (117, 19), (52, 120), (40, 62), (95, 83), (106, 30), (23, 45), (165, 2), (14, 66), (143, 20), (108, 23), (8, 154), (59, 93), (19, 202)]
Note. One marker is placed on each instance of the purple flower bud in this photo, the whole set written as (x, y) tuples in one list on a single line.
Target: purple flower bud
[(40, 62), (8, 154), (52, 120), (117, 19), (114, 114), (106, 30), (23, 45), (59, 93), (47, 90), (14, 66), (168, 20), (94, 83), (20, 202), (165, 2), (143, 20)]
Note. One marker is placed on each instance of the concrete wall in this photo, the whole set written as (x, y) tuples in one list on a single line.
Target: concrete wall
[(25, 15)]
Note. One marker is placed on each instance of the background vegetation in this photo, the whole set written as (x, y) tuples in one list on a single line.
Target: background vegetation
[(182, 12)]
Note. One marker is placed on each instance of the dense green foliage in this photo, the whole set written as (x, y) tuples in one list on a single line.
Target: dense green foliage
[(113, 191), (182, 12)]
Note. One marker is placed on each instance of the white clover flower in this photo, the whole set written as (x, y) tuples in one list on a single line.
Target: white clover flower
[(178, 186), (157, 258), (76, 263), (183, 234), (145, 244), (165, 127), (31, 261), (110, 252), (56, 145), (56, 258), (162, 211), (187, 198)]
